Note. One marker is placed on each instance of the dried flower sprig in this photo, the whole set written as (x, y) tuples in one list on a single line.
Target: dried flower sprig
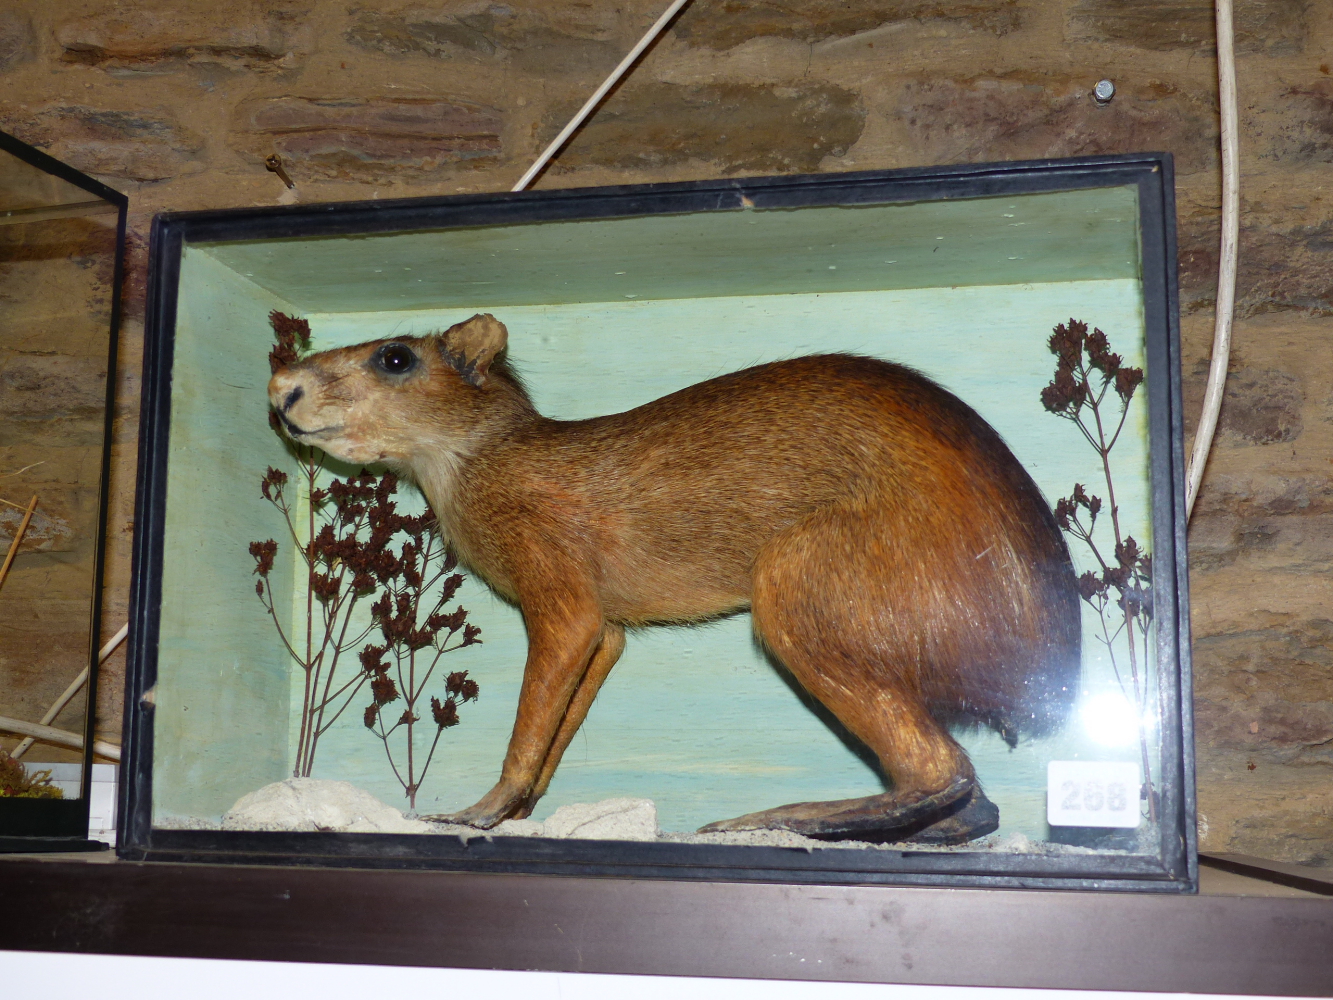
[(346, 559), (348, 547), (1087, 372), (293, 339), (417, 632)]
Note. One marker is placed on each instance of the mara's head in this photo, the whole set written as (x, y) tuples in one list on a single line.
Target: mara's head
[(401, 400)]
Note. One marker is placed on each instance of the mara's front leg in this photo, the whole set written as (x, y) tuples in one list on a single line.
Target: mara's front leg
[(604, 657), (563, 630)]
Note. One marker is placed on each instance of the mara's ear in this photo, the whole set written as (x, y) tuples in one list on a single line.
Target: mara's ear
[(469, 347)]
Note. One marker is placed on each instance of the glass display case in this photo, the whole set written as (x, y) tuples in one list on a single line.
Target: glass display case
[(61, 239), (323, 674)]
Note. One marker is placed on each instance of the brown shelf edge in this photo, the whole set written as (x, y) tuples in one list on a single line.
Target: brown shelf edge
[(960, 937)]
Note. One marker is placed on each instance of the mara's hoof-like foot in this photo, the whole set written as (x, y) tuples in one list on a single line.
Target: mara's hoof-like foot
[(495, 807), (463, 818), (466, 817), (967, 819), (874, 814)]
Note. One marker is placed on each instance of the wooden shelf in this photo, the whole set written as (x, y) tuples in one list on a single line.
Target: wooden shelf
[(1240, 935)]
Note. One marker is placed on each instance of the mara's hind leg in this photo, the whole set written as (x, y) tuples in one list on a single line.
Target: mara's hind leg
[(834, 602), (929, 770)]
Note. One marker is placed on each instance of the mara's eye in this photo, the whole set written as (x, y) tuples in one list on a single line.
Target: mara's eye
[(396, 359)]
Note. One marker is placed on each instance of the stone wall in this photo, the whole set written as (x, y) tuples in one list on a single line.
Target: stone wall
[(179, 103)]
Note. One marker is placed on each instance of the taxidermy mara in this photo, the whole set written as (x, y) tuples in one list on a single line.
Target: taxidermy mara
[(895, 556)]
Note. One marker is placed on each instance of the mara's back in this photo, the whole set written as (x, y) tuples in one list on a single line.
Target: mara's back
[(770, 443)]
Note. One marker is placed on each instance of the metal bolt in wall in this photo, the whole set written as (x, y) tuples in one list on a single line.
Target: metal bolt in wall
[(1103, 92)]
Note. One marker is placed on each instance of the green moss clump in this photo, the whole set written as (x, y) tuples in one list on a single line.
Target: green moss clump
[(17, 782)]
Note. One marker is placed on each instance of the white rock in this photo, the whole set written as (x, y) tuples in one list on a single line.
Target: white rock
[(317, 804), (610, 819), (1017, 843), (518, 828)]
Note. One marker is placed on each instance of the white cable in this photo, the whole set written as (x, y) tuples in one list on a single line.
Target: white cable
[(1226, 265), (597, 96), (73, 689)]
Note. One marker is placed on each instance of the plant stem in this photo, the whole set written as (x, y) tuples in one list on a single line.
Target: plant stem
[(1103, 449), (1140, 706), (312, 682), (1104, 453), (1140, 703)]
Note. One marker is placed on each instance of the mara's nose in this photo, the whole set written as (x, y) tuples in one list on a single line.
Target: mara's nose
[(285, 390)]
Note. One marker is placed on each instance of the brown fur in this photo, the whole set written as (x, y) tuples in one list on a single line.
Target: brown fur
[(896, 557)]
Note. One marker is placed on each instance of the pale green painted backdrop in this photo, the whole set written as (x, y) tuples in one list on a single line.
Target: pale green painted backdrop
[(696, 718), (221, 717)]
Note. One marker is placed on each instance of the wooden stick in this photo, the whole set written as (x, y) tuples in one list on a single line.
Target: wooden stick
[(559, 141), (18, 537), (59, 737), (73, 688)]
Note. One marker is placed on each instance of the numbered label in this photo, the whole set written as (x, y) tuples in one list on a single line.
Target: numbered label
[(1089, 793)]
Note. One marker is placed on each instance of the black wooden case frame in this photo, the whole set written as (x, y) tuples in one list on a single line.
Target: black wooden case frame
[(1173, 868)]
